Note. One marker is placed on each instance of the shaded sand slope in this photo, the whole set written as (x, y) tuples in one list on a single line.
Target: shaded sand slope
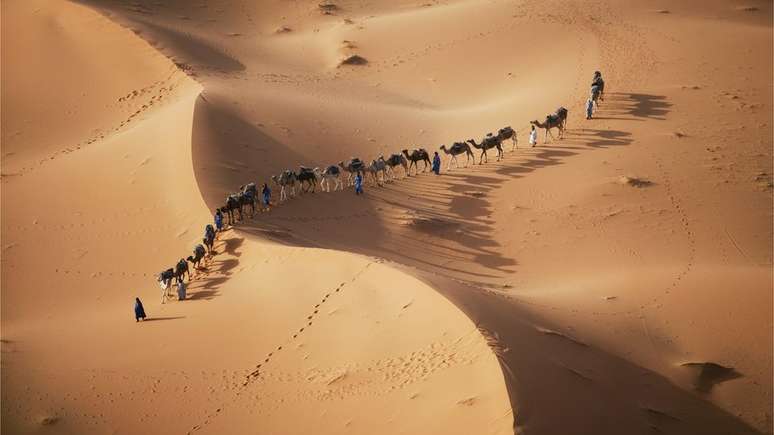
[(127, 205)]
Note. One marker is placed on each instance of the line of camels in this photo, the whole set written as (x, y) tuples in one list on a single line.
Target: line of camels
[(307, 178), (383, 169)]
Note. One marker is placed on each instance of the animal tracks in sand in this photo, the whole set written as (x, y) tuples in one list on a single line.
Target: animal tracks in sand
[(309, 321), (258, 371), (138, 101)]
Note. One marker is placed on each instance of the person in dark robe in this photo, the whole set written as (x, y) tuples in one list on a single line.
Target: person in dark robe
[(218, 220), (437, 164), (139, 311), (266, 192), (181, 291), (358, 184)]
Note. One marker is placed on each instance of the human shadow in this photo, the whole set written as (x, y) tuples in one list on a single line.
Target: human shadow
[(157, 319)]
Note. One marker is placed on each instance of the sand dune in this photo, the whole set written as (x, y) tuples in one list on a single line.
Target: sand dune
[(617, 280)]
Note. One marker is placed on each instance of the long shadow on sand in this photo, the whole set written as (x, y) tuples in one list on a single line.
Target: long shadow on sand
[(204, 286), (633, 107), (441, 224)]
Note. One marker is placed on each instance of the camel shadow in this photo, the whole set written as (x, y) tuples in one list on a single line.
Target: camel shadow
[(441, 223), (596, 138), (634, 107), (204, 287)]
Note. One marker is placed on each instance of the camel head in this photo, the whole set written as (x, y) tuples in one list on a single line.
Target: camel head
[(342, 165), (442, 148), (405, 152)]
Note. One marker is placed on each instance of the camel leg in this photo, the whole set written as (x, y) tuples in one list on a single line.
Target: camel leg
[(548, 133)]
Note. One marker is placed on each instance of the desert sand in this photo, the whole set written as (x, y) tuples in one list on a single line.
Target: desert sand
[(616, 280)]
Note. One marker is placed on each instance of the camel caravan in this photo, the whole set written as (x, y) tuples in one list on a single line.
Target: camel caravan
[(333, 177)]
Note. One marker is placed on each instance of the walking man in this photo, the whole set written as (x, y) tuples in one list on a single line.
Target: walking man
[(358, 184), (139, 310), (437, 164), (533, 137), (218, 220), (266, 192)]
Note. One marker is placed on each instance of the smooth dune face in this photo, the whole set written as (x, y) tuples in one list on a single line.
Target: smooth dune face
[(616, 280)]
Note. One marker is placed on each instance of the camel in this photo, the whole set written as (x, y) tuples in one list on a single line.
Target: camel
[(599, 83), (556, 120), (456, 149), (416, 156), (595, 95), (198, 255), (488, 143), (307, 178), (181, 269), (209, 238), (233, 203), (165, 282), (249, 187), (330, 173), (352, 167), (393, 161), (375, 168), (246, 198), (287, 182), (506, 133)]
